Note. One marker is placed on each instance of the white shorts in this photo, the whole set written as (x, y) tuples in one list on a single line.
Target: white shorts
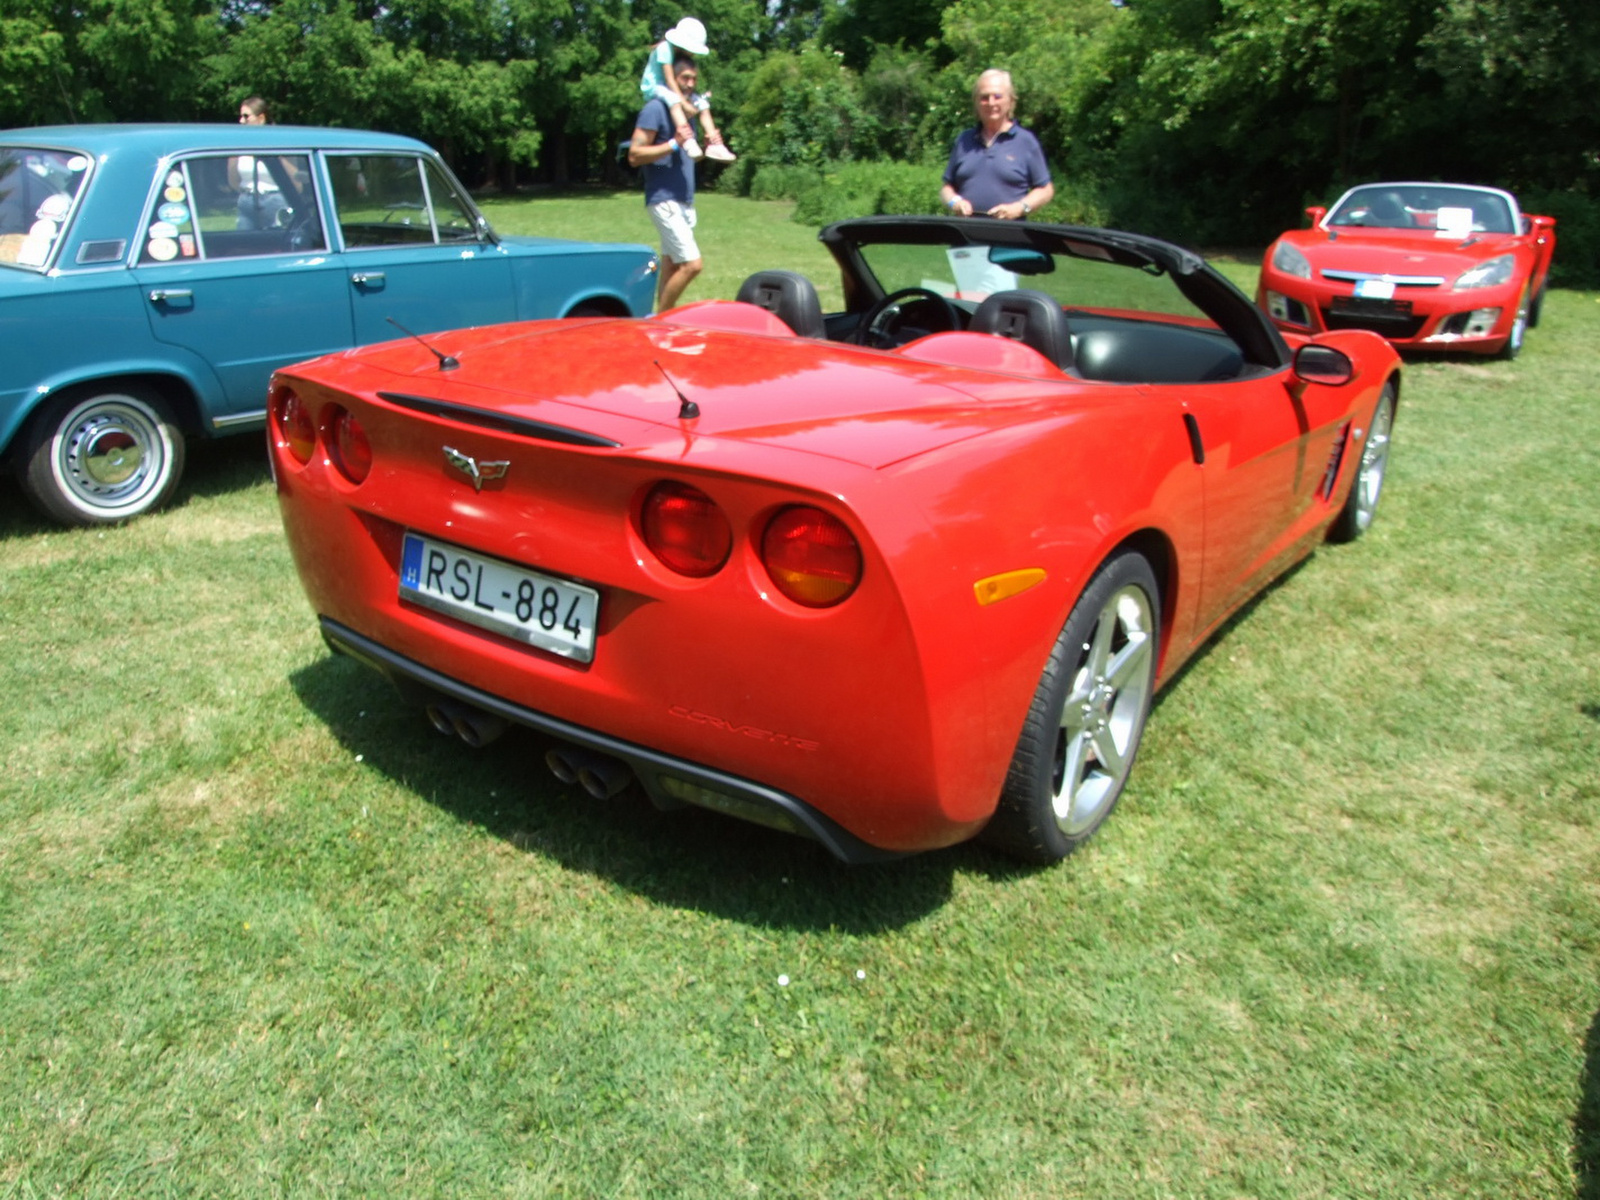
[(676, 225)]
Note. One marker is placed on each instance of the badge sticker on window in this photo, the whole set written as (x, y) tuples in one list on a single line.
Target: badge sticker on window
[(164, 229), (77, 163), (177, 214), (175, 193), (163, 249), (174, 178), (186, 244)]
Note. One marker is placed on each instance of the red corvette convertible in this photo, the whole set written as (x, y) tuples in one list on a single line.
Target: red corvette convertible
[(886, 577), (1430, 266)]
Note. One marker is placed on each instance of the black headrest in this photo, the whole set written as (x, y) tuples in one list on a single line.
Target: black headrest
[(1029, 317), (787, 295)]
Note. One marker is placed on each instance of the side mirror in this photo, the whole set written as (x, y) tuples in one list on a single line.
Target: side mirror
[(1316, 212), (1323, 364)]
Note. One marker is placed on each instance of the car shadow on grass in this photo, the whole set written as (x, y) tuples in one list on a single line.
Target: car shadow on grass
[(1586, 1124), (211, 468), (691, 858)]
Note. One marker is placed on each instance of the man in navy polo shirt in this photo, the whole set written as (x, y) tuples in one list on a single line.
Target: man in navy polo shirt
[(669, 188), (996, 168)]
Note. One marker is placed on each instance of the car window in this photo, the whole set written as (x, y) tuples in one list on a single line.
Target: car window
[(233, 206), (398, 200), (38, 189)]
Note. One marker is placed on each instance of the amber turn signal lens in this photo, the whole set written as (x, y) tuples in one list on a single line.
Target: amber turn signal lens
[(297, 433), (686, 530), (811, 556), (352, 453)]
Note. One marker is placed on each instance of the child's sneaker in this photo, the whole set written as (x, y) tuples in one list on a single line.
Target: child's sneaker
[(692, 149), (717, 152)]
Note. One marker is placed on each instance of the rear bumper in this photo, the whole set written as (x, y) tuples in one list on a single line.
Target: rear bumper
[(671, 782)]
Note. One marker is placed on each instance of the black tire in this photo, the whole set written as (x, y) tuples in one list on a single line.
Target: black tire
[(100, 458), (1361, 505), (1087, 718)]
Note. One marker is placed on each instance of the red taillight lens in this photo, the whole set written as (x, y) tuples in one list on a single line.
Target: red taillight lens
[(811, 556), (352, 453), (296, 430), (686, 530)]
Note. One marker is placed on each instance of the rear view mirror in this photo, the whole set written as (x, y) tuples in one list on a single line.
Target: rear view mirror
[(1323, 364), (1020, 260)]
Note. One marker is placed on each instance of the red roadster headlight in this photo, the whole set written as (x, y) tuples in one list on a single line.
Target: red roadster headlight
[(352, 453), (297, 433), (686, 530), (811, 556)]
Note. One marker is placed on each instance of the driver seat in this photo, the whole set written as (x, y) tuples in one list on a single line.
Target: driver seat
[(789, 296), (1029, 317)]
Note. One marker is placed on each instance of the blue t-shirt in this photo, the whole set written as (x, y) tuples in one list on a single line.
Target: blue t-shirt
[(1001, 173), (670, 177)]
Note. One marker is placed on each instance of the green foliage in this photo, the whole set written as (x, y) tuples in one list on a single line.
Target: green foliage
[(803, 108)]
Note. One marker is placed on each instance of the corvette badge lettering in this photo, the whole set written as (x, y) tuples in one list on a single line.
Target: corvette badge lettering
[(473, 469)]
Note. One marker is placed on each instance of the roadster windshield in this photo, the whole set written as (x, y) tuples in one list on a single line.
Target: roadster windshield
[(1437, 208), (38, 189), (972, 272)]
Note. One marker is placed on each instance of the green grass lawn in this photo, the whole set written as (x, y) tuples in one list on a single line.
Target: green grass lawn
[(262, 932)]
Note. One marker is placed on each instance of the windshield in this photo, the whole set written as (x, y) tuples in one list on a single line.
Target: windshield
[(1439, 209), (37, 191), (973, 272)]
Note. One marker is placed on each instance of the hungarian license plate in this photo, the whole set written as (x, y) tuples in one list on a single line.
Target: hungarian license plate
[(528, 606)]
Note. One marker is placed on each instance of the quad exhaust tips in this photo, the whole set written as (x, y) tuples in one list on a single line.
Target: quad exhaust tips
[(596, 774), (473, 726)]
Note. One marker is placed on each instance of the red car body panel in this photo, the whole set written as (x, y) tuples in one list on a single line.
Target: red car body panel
[(1311, 279), (895, 713)]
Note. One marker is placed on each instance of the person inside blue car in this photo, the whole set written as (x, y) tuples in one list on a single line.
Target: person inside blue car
[(261, 201)]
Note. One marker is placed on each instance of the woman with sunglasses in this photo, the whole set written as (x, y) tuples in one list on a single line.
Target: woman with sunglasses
[(997, 167)]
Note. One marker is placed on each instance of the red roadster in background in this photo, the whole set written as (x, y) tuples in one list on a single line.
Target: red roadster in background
[(886, 577), (1430, 266)]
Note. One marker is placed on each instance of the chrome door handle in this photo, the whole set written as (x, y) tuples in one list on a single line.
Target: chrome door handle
[(367, 278), (159, 295)]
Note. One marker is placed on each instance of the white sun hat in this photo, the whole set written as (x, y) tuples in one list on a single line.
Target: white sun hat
[(688, 34)]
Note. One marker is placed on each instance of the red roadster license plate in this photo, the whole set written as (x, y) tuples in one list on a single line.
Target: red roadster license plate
[(529, 606)]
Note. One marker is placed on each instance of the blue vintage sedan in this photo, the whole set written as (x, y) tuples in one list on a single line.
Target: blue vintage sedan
[(152, 277)]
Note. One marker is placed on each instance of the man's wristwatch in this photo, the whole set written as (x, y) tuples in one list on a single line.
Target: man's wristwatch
[(1025, 209)]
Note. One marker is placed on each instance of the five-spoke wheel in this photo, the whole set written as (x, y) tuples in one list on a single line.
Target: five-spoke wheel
[(1087, 717)]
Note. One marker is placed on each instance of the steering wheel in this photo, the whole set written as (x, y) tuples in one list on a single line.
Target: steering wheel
[(880, 325)]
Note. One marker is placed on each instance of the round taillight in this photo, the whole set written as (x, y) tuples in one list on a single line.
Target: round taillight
[(296, 430), (351, 450), (686, 530), (811, 556)]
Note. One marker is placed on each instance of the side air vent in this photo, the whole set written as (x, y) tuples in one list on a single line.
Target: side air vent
[(1335, 457), (103, 251)]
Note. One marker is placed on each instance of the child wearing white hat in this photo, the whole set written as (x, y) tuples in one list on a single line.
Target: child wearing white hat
[(688, 36)]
